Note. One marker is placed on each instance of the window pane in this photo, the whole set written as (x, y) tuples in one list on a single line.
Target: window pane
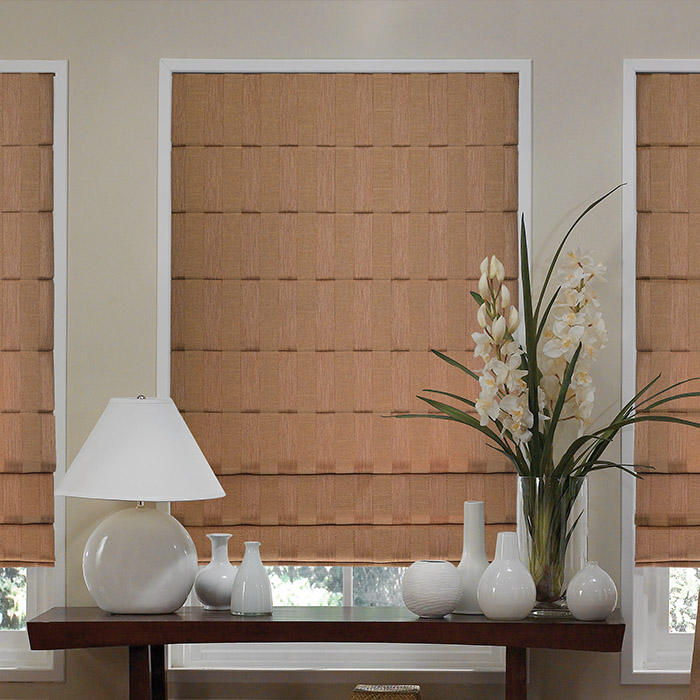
[(13, 598), (374, 586), (306, 585), (682, 599)]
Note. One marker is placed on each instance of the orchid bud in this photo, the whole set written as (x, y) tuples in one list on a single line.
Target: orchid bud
[(505, 297), (483, 286), (498, 329), (484, 267), (496, 269), (513, 320), (481, 316)]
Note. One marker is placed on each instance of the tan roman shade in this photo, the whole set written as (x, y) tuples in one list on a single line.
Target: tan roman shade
[(326, 231), (27, 433), (668, 313)]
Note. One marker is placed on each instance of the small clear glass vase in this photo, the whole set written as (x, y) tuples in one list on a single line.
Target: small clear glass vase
[(553, 533)]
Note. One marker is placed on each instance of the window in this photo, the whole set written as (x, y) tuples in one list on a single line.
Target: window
[(360, 585), (25, 592), (658, 603), (365, 586)]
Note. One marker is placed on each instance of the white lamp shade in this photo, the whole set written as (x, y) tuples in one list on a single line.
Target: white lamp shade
[(141, 450)]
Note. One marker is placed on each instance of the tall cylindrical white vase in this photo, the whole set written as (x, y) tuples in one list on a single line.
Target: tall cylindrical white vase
[(214, 582), (251, 593), (474, 561), (506, 590)]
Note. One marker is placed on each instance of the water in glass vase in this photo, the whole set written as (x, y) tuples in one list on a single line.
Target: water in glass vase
[(552, 531)]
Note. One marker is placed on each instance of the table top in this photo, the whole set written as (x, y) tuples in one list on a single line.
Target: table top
[(73, 628)]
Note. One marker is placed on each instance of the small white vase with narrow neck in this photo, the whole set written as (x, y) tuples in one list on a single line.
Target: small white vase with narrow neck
[(251, 593), (214, 582), (506, 590), (592, 594), (474, 562)]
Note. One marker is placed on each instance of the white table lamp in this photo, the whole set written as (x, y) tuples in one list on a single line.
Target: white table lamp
[(140, 560)]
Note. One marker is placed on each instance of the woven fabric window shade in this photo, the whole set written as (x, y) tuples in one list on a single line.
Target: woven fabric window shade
[(668, 313), (326, 231), (27, 433)]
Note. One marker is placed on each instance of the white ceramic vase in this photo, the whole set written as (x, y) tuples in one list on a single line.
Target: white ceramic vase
[(251, 593), (592, 594), (506, 590), (214, 582), (431, 588), (474, 561)]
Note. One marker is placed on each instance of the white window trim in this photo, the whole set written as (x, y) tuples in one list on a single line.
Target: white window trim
[(649, 654), (46, 586), (305, 658)]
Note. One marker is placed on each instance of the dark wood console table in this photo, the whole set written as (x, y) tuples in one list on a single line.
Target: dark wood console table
[(147, 635)]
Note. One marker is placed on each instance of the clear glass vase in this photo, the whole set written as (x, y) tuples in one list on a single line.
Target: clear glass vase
[(553, 534)]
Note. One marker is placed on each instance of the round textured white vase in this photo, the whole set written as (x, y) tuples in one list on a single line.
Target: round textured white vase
[(214, 582), (474, 562), (251, 593), (506, 590), (431, 588), (139, 561), (591, 594)]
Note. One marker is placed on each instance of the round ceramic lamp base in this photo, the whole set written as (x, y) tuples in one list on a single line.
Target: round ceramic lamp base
[(139, 561)]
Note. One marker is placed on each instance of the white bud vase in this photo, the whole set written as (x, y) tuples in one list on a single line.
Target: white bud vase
[(591, 594), (251, 593), (506, 590), (474, 561), (214, 582)]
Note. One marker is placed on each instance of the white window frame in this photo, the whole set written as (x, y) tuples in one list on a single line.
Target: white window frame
[(46, 586), (304, 662), (650, 655)]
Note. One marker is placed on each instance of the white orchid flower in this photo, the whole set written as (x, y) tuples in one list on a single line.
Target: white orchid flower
[(496, 269), (487, 408), (513, 320), (499, 328), (563, 344), (517, 418), (489, 385), (484, 287), (504, 296), (484, 346)]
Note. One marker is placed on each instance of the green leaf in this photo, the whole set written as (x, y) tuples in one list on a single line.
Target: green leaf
[(569, 457), (543, 320), (668, 399), (465, 418), (655, 418), (561, 400), (664, 391), (611, 430), (436, 416), (519, 464), (456, 397), (530, 346), (477, 298), (553, 263), (456, 364), (607, 464)]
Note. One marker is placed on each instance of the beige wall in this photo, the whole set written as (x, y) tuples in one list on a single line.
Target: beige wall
[(577, 48)]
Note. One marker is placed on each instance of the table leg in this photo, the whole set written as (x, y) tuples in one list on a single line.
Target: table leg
[(139, 673), (516, 673), (159, 678)]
